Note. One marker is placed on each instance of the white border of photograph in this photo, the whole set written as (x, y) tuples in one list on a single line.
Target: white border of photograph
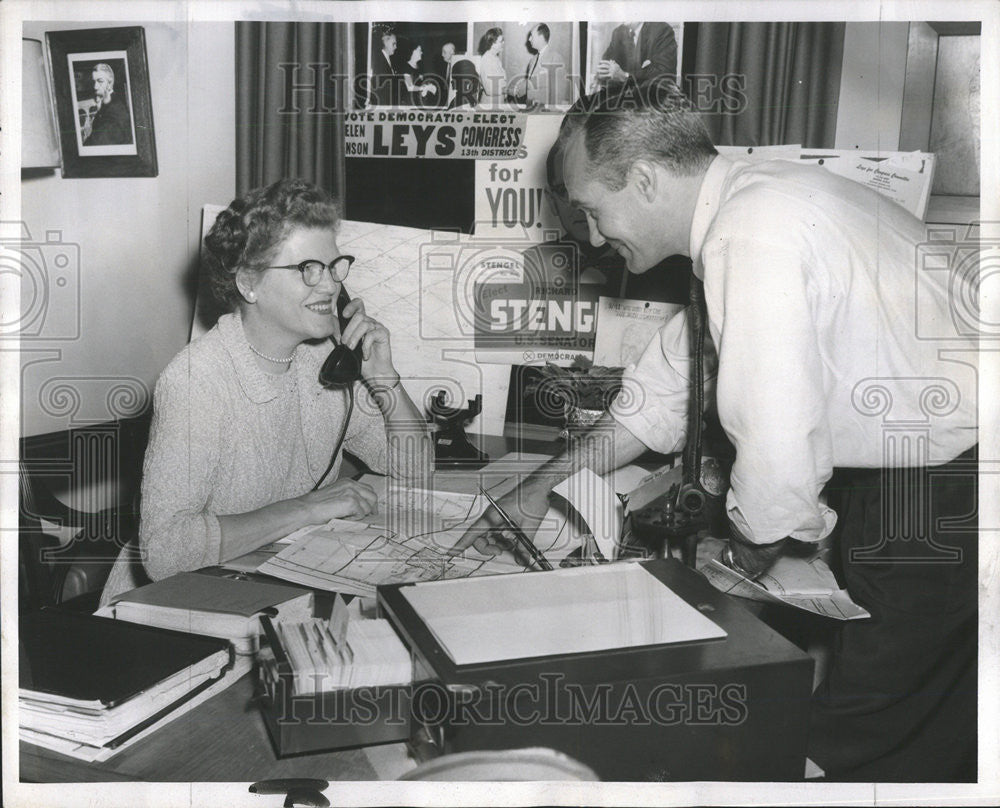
[(127, 149)]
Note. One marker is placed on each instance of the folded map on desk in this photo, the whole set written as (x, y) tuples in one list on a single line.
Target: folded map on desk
[(354, 557)]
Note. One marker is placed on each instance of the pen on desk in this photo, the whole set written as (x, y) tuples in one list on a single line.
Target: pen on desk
[(522, 538)]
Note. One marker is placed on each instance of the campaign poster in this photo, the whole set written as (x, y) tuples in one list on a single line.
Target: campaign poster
[(418, 133), (539, 312), (514, 195)]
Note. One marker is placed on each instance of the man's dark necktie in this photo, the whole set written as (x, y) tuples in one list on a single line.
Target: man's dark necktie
[(531, 67), (631, 54)]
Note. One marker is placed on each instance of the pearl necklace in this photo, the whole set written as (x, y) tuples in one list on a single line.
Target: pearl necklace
[(287, 361)]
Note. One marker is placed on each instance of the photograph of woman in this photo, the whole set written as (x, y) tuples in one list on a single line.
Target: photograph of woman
[(421, 93), (491, 69), (537, 60), (245, 442)]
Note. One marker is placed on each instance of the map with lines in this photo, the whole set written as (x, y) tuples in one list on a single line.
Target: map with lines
[(354, 557), (421, 283)]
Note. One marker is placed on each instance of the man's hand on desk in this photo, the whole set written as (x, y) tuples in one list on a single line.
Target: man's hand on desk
[(526, 505)]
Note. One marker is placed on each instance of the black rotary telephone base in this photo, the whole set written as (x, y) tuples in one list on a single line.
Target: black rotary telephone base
[(452, 448)]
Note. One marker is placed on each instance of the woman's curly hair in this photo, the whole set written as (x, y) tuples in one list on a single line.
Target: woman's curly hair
[(248, 233), (486, 40)]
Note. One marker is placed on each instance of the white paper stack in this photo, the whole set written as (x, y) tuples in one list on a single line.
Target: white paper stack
[(88, 686), (91, 752), (371, 655), (94, 722)]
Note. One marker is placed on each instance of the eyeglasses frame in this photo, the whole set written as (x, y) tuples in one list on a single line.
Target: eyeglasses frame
[(302, 267)]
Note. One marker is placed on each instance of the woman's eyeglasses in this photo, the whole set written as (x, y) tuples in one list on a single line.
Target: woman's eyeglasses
[(312, 270)]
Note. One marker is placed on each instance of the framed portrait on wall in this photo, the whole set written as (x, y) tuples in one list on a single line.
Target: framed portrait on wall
[(103, 102)]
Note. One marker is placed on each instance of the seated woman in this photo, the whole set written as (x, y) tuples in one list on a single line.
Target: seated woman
[(242, 429), (491, 70), (416, 87)]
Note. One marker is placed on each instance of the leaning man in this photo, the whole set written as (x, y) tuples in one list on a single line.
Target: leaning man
[(837, 368)]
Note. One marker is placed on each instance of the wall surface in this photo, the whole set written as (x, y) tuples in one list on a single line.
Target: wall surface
[(111, 319), (954, 135), (126, 305), (871, 85)]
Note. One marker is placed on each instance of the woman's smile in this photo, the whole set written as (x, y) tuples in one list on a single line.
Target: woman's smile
[(321, 306)]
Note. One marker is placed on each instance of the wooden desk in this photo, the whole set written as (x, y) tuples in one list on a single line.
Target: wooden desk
[(222, 740), (646, 713), (225, 739)]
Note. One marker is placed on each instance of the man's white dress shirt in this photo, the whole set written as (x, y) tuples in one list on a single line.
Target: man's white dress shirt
[(835, 343)]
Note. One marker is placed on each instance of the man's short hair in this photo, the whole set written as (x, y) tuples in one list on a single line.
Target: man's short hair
[(635, 123), (543, 29), (383, 31), (106, 70)]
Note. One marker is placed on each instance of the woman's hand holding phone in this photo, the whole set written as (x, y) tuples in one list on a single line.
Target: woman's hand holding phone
[(358, 330)]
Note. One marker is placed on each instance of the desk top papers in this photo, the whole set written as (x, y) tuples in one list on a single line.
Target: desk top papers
[(410, 537), (805, 584), (354, 557), (565, 611)]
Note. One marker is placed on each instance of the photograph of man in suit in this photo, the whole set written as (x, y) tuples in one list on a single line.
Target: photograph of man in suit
[(111, 123), (442, 62), (440, 72), (643, 51), (546, 82), (385, 86)]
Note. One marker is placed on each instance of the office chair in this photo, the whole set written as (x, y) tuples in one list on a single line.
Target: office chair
[(507, 765), (64, 555)]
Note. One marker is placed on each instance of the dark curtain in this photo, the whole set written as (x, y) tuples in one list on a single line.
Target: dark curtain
[(790, 74), (291, 86)]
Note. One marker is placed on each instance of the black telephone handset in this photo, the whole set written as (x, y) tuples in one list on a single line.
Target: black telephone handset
[(343, 366)]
